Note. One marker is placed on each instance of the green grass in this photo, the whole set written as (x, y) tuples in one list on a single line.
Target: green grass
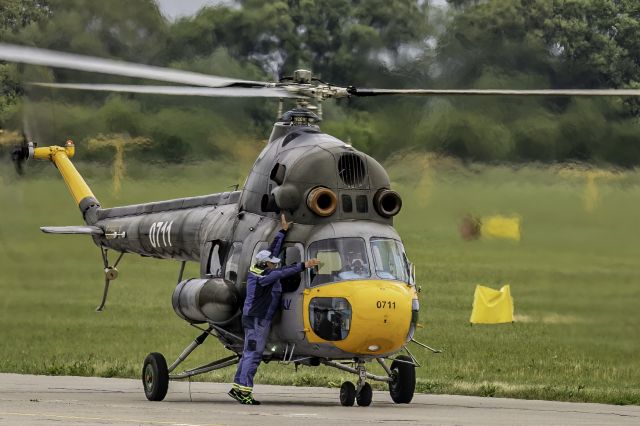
[(575, 279)]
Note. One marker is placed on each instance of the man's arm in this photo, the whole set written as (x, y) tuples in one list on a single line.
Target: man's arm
[(287, 271), (276, 244), (277, 274)]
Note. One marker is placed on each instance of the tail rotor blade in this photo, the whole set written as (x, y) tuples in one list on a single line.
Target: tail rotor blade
[(19, 155)]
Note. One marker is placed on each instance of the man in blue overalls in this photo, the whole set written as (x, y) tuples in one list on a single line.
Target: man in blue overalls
[(264, 292)]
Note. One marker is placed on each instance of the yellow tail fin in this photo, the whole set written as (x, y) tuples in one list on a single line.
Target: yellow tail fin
[(60, 156)]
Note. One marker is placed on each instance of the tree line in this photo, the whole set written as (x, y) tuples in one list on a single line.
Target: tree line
[(518, 44)]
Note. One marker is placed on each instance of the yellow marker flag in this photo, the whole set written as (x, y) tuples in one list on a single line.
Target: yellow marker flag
[(500, 227), (492, 306)]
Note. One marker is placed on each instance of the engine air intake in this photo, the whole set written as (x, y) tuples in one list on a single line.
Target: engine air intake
[(352, 170)]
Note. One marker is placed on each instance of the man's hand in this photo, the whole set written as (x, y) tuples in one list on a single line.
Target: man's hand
[(311, 263), (283, 222)]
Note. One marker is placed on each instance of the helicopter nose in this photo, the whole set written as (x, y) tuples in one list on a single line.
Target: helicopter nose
[(364, 317)]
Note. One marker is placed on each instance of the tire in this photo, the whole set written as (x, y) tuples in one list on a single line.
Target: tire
[(155, 377), (404, 380), (347, 394), (365, 396)]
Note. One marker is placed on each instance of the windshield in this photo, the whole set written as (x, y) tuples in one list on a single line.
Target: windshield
[(390, 260), (340, 259)]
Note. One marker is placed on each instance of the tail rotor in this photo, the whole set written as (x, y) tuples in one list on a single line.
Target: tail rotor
[(20, 154)]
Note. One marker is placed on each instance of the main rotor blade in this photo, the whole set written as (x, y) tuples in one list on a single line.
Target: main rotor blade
[(50, 58), (353, 91), (238, 92)]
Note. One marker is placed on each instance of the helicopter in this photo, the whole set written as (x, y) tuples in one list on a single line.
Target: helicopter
[(358, 306)]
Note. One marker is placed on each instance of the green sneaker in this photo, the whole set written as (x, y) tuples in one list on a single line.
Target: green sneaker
[(245, 398)]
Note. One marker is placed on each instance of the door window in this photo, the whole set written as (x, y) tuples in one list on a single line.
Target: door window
[(231, 268), (214, 266), (291, 253)]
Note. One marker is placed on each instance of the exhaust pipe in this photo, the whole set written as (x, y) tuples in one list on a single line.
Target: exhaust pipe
[(387, 202), (322, 201)]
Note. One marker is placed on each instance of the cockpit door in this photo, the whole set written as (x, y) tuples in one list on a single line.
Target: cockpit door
[(290, 323)]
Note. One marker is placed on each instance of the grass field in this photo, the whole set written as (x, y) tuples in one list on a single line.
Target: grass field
[(575, 279)]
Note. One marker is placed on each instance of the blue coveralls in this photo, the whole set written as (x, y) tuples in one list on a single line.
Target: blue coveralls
[(264, 292)]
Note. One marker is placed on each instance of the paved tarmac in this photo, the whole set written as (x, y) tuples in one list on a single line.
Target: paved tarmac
[(44, 400)]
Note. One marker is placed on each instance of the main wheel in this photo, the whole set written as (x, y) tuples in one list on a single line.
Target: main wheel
[(365, 396), (404, 380), (347, 394), (155, 377)]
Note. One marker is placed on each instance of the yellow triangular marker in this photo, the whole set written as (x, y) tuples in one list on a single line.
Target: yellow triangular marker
[(492, 306)]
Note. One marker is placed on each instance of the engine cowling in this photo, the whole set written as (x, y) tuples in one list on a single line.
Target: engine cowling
[(200, 300)]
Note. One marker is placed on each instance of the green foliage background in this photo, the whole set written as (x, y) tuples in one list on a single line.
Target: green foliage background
[(469, 44)]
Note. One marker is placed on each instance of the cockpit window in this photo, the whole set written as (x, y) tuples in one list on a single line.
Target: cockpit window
[(390, 260), (340, 259)]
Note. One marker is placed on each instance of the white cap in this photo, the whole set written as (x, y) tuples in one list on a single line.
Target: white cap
[(265, 256)]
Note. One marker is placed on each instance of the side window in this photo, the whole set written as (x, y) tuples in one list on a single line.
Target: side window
[(347, 205), (362, 204), (291, 253), (231, 268), (390, 260), (214, 266)]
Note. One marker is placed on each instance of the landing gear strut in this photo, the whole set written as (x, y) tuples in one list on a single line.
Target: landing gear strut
[(156, 374), (110, 274), (364, 394)]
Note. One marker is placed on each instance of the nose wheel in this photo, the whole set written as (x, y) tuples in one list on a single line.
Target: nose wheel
[(365, 395), (362, 393), (347, 394)]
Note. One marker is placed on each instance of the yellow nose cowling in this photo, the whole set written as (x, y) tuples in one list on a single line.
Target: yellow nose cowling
[(380, 314)]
